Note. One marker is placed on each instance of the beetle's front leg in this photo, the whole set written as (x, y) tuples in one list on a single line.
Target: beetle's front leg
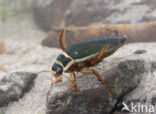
[(58, 80), (91, 71), (73, 82)]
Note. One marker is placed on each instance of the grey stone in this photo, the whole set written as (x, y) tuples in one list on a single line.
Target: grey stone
[(128, 75), (14, 85), (121, 79), (153, 100)]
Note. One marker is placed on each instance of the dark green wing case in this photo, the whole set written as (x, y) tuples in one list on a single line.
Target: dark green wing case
[(89, 47)]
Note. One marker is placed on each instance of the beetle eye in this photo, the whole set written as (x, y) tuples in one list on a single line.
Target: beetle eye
[(59, 70)]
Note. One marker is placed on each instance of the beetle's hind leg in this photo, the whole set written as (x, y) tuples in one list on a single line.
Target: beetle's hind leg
[(100, 54), (91, 71), (62, 40), (73, 82)]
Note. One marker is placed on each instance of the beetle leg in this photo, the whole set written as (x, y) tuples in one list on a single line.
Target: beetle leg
[(62, 40), (58, 80), (91, 71), (100, 54), (73, 82)]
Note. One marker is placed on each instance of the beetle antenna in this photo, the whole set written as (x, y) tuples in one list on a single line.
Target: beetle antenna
[(45, 71)]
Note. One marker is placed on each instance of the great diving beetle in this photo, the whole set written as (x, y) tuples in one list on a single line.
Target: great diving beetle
[(84, 54)]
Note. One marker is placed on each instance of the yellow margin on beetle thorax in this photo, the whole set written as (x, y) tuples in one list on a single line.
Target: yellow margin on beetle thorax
[(70, 63), (59, 63), (66, 55)]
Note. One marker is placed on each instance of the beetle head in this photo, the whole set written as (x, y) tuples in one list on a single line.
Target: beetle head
[(57, 69)]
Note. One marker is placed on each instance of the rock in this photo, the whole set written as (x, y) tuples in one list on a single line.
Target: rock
[(140, 51), (59, 13), (121, 78), (153, 100), (126, 74), (13, 86), (122, 74), (2, 48), (143, 32)]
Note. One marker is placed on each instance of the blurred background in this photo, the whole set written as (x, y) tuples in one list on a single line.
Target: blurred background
[(41, 21)]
